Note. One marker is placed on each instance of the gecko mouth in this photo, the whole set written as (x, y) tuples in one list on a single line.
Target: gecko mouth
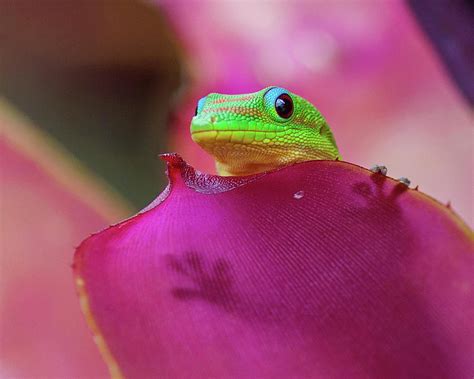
[(212, 128), (210, 133), (203, 131), (243, 136)]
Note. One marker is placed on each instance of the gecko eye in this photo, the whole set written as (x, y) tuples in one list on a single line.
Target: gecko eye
[(279, 104), (284, 106)]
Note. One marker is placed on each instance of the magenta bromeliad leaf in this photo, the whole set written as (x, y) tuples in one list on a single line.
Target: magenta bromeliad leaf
[(321, 269)]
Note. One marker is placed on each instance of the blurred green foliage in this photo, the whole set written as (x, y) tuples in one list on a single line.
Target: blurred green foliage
[(106, 98)]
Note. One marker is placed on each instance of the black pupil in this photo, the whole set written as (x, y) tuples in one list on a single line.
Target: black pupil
[(284, 106), (196, 111)]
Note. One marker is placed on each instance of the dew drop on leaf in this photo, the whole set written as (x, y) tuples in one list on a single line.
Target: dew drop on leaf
[(298, 195)]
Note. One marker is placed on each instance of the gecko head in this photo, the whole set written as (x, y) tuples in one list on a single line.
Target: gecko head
[(261, 131)]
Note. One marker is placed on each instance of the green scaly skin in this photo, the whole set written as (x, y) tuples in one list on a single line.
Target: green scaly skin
[(245, 134)]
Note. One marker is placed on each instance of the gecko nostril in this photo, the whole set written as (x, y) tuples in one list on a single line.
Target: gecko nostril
[(323, 129), (213, 119)]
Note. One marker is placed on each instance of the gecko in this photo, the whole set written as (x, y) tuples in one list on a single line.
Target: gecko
[(262, 131)]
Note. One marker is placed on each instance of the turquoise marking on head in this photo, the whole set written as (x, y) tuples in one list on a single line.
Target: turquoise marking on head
[(200, 104)]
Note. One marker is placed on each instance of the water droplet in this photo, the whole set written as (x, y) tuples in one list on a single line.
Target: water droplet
[(298, 195), (404, 181)]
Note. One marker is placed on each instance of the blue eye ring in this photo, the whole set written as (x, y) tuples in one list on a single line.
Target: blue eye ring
[(279, 104), (200, 105)]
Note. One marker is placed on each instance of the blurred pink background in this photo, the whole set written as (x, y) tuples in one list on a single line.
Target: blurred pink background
[(366, 65)]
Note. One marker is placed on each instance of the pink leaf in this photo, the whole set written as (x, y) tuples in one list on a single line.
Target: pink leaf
[(48, 202), (322, 269)]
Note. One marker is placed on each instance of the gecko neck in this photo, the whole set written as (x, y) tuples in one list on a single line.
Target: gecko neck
[(225, 169), (240, 167)]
